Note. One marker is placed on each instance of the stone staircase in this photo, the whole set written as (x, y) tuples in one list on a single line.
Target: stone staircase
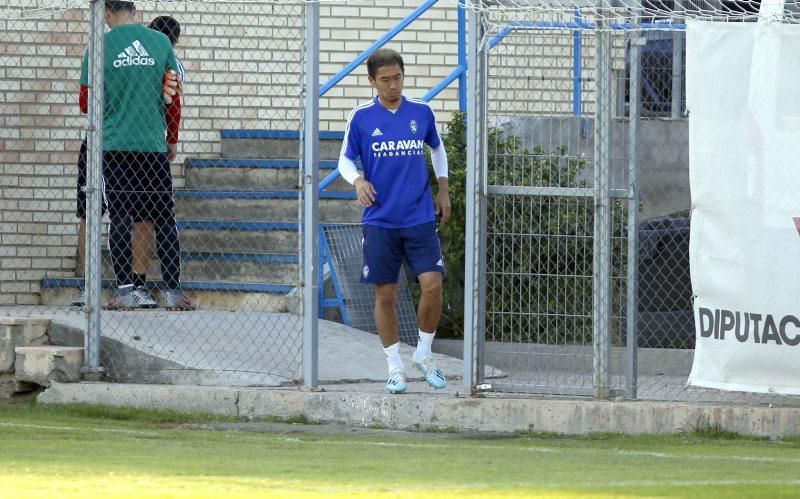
[(237, 219)]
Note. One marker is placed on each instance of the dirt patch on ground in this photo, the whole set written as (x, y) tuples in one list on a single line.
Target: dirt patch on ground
[(281, 428)]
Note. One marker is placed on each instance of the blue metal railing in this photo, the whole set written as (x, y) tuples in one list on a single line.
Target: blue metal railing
[(459, 73), (578, 25)]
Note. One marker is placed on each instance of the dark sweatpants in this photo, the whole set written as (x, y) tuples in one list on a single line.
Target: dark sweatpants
[(139, 185)]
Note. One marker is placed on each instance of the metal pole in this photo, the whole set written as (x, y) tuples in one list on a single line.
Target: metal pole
[(94, 159), (677, 67), (462, 58), (311, 198), (632, 279), (577, 63), (602, 217), (474, 240)]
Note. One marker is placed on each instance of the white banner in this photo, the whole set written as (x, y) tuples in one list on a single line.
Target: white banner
[(744, 158)]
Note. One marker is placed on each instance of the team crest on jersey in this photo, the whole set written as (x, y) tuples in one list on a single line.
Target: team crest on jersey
[(413, 125)]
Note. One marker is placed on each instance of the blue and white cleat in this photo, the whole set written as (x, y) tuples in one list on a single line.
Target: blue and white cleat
[(396, 382), (433, 375)]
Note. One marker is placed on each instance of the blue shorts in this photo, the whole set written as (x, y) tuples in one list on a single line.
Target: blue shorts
[(385, 249)]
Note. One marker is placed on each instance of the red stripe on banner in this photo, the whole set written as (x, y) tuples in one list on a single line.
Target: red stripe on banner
[(797, 224)]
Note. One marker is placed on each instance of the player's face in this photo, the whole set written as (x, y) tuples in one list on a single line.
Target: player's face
[(388, 82)]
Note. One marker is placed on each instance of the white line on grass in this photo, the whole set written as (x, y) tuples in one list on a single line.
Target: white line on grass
[(660, 455), (74, 428)]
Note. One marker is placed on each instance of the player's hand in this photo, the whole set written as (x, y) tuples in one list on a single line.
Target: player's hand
[(172, 152), (443, 207), (365, 191), (172, 86)]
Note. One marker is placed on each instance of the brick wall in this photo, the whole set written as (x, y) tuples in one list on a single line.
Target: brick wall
[(243, 62)]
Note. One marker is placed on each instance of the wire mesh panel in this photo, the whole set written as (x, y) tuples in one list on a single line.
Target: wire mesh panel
[(43, 161), (573, 89), (201, 189), (343, 281), (542, 175)]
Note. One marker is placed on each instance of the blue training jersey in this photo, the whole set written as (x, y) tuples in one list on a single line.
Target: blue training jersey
[(391, 147)]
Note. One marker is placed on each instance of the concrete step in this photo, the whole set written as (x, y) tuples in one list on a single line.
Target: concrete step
[(256, 297), (41, 364), (238, 237), (335, 207), (275, 144), (226, 267), (253, 174)]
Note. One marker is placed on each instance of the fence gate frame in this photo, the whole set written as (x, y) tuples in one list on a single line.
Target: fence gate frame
[(603, 195)]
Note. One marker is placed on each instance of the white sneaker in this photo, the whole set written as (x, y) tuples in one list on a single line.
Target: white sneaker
[(79, 300), (396, 382), (433, 375), (142, 298)]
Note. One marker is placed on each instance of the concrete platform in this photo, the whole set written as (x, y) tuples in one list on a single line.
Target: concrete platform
[(224, 348), (364, 405)]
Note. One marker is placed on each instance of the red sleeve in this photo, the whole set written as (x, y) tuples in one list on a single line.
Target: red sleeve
[(173, 120), (83, 99)]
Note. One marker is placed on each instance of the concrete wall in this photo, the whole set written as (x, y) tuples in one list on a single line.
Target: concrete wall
[(663, 154)]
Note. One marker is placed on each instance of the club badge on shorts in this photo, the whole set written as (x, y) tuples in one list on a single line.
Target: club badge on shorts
[(365, 271)]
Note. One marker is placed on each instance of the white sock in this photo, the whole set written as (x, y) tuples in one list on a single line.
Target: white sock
[(424, 344), (392, 354)]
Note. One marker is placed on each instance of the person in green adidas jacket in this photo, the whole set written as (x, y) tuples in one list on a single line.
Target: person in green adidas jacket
[(136, 155)]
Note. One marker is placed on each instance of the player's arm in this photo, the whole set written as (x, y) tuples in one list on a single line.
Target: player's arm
[(173, 118), (83, 99), (172, 91), (83, 91), (172, 83), (347, 167), (440, 169)]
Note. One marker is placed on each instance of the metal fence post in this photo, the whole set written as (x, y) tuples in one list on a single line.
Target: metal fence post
[(474, 295), (632, 280), (91, 345), (462, 58), (311, 198), (677, 68), (602, 217)]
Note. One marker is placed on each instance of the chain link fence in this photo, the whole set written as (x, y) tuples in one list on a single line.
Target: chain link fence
[(198, 200), (583, 144), (586, 139)]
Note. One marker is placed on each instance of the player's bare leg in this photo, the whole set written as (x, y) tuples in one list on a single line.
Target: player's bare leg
[(430, 301), (80, 267), (81, 263), (388, 324), (428, 314), (142, 239), (386, 314)]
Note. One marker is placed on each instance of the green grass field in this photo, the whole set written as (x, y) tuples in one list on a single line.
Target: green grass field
[(82, 451)]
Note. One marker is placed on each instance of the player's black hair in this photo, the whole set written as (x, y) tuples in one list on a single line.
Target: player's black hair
[(381, 58), (169, 26), (117, 6)]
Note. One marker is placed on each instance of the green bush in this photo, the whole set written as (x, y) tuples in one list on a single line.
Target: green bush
[(539, 248)]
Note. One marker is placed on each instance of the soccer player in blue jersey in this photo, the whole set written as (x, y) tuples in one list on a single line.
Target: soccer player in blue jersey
[(389, 134)]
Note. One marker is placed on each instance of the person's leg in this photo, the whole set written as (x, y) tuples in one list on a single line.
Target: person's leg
[(382, 261), (81, 257), (429, 310), (424, 256), (162, 213), (386, 319), (143, 238), (117, 174), (80, 213)]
